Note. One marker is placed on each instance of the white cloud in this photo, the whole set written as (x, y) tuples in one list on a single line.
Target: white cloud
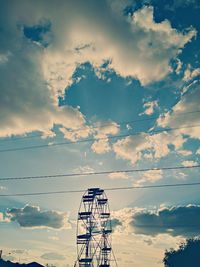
[(160, 143), (76, 134), (101, 131), (26, 103), (189, 102), (151, 176), (132, 51), (198, 151), (179, 66), (150, 146), (118, 175), (106, 128), (190, 73), (101, 146), (132, 45), (130, 147), (150, 107), (189, 163), (185, 152)]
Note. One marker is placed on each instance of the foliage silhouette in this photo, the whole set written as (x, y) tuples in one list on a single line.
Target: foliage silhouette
[(188, 254), (12, 264)]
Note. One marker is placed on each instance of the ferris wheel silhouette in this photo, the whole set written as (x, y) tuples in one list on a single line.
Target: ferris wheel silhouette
[(94, 228)]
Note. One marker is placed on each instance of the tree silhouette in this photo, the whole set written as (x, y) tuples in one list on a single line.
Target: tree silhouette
[(188, 254)]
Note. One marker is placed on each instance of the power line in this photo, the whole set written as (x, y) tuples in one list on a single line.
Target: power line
[(98, 173), (107, 189), (97, 139), (100, 126), (167, 225)]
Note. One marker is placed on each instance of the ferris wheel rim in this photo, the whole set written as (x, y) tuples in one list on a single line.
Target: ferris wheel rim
[(107, 221)]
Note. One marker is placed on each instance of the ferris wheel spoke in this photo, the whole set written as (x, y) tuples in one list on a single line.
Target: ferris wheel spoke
[(93, 230)]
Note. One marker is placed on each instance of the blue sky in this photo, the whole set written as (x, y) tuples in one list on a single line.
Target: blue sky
[(106, 68)]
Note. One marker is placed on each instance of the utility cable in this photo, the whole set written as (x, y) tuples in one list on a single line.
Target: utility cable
[(97, 173), (96, 127), (106, 189), (97, 139)]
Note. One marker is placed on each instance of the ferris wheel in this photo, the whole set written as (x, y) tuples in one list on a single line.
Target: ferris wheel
[(94, 230)]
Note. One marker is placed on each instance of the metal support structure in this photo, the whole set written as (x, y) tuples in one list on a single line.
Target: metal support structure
[(94, 230)]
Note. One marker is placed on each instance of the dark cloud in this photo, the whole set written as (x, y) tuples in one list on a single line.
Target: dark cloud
[(52, 256), (33, 217), (184, 221)]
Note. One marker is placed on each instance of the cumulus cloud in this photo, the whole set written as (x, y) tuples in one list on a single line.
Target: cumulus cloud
[(185, 152), (190, 73), (189, 102), (75, 134), (34, 217), (179, 66), (189, 163), (175, 221), (150, 107), (26, 103), (101, 131), (151, 176), (106, 128), (138, 43), (35, 71), (133, 148), (101, 146)]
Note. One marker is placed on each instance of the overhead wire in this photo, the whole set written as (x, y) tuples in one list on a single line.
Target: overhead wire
[(107, 189), (98, 173), (96, 139), (96, 127)]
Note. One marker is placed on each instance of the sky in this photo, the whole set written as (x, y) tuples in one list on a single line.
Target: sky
[(96, 86)]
